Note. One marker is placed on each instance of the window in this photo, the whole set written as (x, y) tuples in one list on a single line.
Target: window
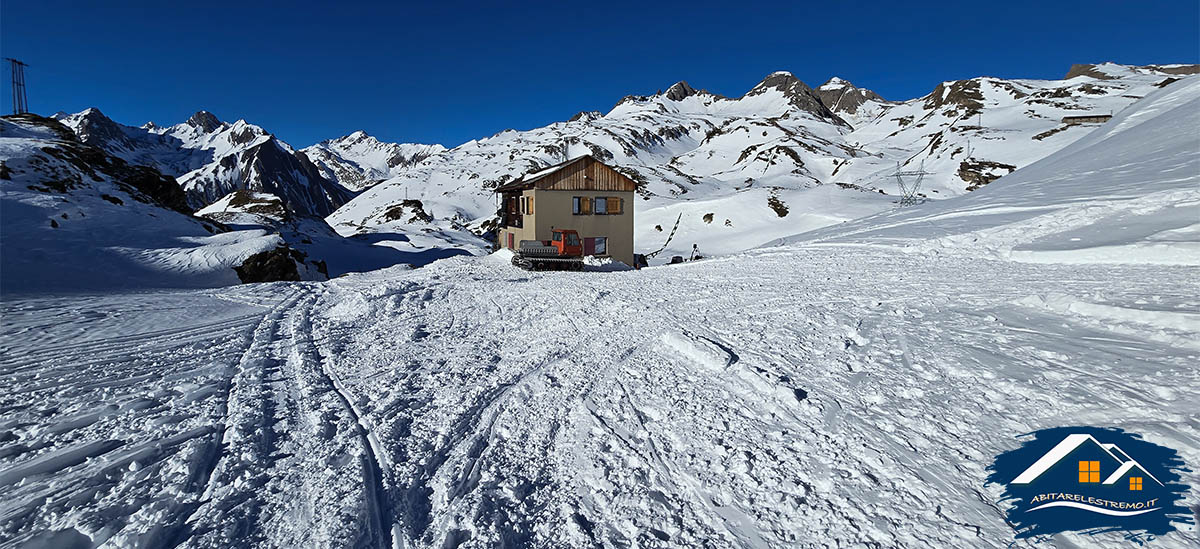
[(614, 205), (557, 236), (601, 206), (1135, 483), (572, 239), (581, 205), (601, 245), (1089, 471)]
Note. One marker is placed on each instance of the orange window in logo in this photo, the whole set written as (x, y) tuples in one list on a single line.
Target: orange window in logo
[(1135, 483), (1089, 471)]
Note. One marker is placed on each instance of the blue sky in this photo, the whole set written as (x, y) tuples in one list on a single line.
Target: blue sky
[(448, 72)]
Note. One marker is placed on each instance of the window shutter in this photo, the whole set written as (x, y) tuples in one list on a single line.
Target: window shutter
[(587, 205), (531, 205)]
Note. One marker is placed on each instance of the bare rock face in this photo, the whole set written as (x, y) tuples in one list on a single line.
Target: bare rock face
[(843, 97), (205, 120), (679, 91), (959, 96)]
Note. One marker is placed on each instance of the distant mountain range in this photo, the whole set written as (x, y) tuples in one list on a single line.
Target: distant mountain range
[(781, 158)]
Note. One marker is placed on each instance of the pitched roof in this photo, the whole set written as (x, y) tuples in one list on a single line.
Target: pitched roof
[(1125, 468), (527, 180), (1056, 454)]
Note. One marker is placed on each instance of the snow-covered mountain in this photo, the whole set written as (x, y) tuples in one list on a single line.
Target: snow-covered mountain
[(738, 172), (77, 219), (358, 160), (211, 158)]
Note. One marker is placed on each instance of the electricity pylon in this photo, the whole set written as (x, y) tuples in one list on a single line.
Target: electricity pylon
[(19, 104), (908, 191)]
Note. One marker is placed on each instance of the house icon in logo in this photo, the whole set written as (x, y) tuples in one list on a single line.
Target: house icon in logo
[(1091, 463)]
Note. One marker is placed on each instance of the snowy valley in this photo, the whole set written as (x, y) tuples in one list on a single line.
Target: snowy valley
[(840, 374)]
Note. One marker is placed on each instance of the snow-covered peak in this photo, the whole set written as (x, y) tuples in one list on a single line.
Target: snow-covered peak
[(586, 116), (845, 98), (359, 160), (835, 83), (205, 120), (794, 92)]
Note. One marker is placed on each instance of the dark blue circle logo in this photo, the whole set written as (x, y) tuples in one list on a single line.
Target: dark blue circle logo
[(1091, 480)]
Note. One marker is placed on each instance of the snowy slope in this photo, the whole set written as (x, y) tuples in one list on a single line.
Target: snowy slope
[(211, 158), (697, 153), (785, 397), (75, 219), (1128, 192), (358, 160)]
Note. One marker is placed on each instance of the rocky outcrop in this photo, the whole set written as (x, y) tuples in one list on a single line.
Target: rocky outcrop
[(206, 121), (586, 116), (978, 173), (679, 91), (841, 96), (798, 94), (958, 97), (275, 265)]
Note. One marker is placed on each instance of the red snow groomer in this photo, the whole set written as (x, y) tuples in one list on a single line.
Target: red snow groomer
[(563, 252)]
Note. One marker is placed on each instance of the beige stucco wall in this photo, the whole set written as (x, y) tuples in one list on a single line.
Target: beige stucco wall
[(552, 210)]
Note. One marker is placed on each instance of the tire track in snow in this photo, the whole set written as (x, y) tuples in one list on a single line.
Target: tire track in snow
[(379, 509), (259, 340)]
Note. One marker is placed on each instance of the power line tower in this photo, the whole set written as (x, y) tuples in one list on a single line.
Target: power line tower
[(19, 104), (908, 191)]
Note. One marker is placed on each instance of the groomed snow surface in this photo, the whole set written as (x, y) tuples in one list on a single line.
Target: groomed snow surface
[(848, 387)]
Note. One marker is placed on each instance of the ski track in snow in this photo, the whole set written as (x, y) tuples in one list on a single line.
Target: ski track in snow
[(840, 396)]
